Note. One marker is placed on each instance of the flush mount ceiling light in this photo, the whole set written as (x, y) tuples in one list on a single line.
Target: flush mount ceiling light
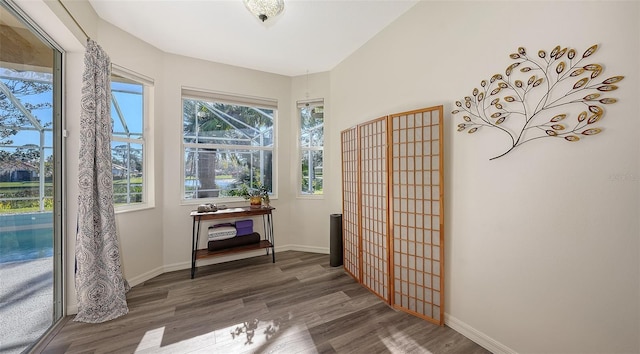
[(264, 9)]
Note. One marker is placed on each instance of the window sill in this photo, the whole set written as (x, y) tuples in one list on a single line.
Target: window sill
[(310, 196), (133, 208)]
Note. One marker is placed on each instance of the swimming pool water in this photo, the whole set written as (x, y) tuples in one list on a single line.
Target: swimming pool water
[(25, 237)]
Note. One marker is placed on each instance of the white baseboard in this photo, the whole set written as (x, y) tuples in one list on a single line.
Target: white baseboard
[(145, 276), (302, 248), (480, 338), (233, 257), (72, 309)]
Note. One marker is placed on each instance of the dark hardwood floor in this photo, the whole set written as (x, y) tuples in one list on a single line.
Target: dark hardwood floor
[(298, 305)]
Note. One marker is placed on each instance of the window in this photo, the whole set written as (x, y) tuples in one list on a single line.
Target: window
[(129, 102), (228, 143), (311, 146)]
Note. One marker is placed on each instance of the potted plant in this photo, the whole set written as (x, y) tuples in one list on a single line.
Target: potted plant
[(254, 195)]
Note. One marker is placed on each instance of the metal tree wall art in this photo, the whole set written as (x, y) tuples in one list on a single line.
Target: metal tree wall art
[(548, 95)]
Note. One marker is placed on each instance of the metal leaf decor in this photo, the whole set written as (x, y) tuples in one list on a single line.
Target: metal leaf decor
[(536, 93)]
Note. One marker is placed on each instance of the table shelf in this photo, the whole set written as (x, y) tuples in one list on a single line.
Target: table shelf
[(266, 243), (205, 253)]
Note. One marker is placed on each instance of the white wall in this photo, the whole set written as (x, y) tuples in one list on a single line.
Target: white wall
[(182, 71), (310, 226), (541, 245)]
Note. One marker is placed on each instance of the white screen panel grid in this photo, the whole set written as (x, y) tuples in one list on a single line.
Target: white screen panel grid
[(373, 163), (416, 202), (350, 202)]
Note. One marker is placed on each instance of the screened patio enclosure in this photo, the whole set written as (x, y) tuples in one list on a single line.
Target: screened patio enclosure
[(25, 108), (226, 146)]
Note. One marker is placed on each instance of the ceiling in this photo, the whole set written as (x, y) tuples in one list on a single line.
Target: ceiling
[(308, 36)]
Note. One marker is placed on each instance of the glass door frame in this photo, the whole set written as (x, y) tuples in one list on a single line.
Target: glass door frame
[(58, 170)]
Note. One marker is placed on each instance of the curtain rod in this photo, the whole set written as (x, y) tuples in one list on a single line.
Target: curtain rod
[(74, 20)]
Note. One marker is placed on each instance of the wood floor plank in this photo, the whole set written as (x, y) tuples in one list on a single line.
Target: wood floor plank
[(297, 305)]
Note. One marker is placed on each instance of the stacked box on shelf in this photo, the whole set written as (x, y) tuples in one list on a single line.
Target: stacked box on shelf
[(244, 227)]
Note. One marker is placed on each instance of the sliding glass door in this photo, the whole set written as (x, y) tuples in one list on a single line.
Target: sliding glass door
[(30, 182)]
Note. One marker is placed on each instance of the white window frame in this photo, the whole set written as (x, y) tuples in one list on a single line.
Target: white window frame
[(232, 99), (302, 149), (148, 182)]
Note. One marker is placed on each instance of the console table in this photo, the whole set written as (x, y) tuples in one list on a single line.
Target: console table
[(266, 243)]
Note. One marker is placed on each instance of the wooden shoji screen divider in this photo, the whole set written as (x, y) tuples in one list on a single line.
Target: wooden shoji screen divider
[(374, 207), (351, 202), (393, 224), (416, 217)]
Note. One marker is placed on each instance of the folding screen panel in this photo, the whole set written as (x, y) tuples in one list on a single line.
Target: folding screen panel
[(373, 206), (393, 209), (350, 202), (417, 210)]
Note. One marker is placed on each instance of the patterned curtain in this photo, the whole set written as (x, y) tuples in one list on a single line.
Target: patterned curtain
[(100, 286)]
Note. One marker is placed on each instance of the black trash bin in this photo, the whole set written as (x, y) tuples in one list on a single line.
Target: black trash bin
[(335, 241)]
